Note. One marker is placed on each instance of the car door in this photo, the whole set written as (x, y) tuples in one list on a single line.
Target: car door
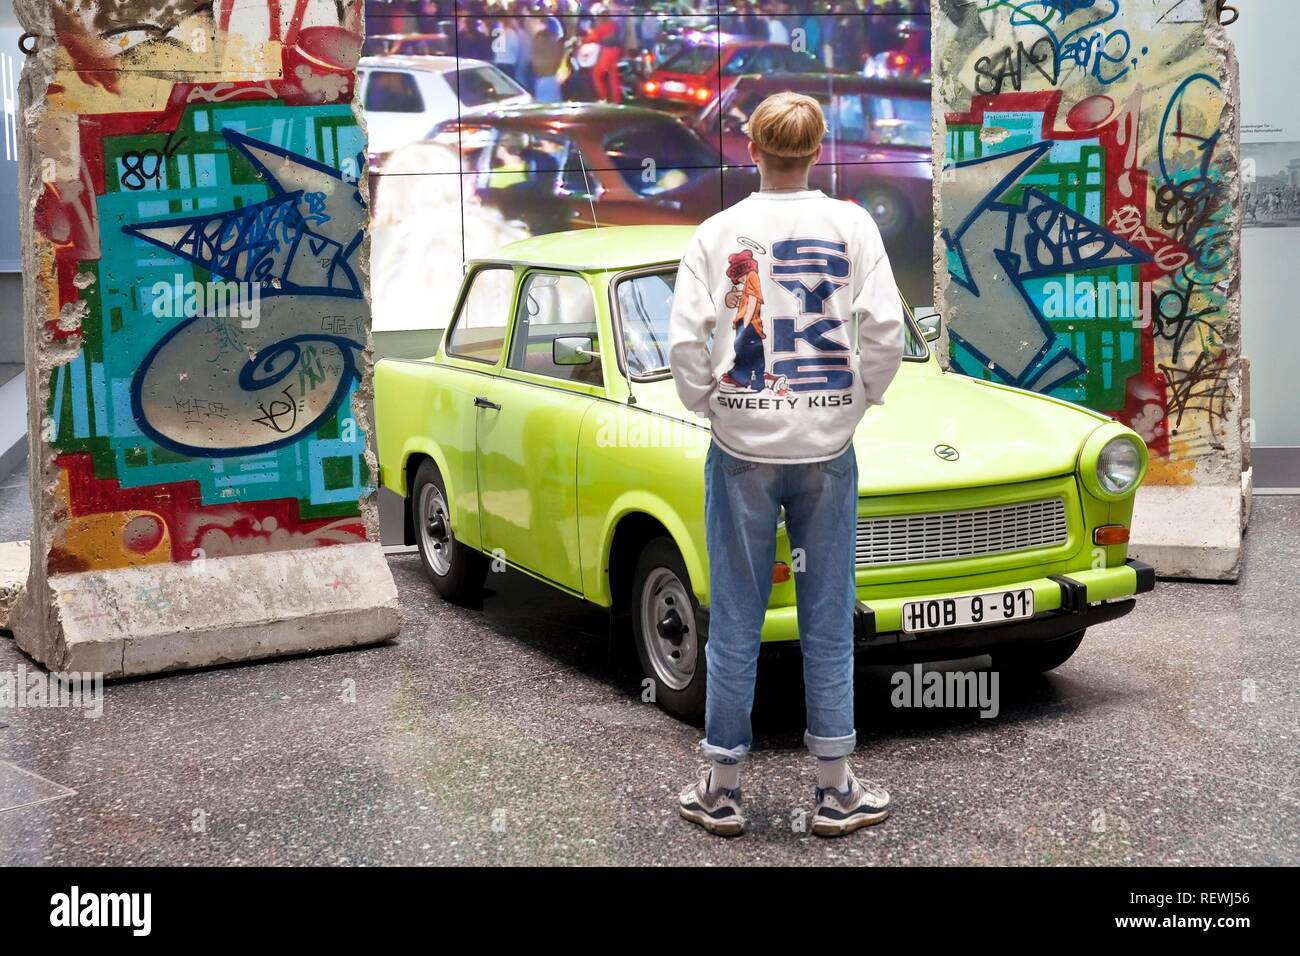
[(528, 430), (469, 359)]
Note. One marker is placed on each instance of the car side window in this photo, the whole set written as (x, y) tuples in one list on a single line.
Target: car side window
[(797, 61), (555, 306), (479, 331), (766, 60), (389, 91), (739, 63)]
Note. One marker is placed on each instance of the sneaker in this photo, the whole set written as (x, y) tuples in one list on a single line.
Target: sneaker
[(717, 811), (843, 811), (779, 384)]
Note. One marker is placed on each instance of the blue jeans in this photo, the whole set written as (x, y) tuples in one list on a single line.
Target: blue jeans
[(548, 90), (742, 500), (750, 360)]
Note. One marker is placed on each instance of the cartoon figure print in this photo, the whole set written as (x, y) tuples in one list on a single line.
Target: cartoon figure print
[(749, 371)]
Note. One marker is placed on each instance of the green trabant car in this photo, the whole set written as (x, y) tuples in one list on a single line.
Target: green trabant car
[(546, 433)]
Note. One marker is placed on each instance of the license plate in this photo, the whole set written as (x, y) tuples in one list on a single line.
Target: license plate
[(674, 86), (968, 610)]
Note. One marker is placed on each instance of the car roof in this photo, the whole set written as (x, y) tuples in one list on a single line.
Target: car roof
[(566, 114), (412, 61), (611, 248), (815, 82), (733, 39)]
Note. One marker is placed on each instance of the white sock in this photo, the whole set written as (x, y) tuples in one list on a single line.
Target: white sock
[(724, 776), (833, 773)]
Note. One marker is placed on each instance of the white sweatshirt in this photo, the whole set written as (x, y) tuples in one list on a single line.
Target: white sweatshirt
[(774, 282)]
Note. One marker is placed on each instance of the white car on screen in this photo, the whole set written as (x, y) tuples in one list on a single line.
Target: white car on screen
[(404, 97)]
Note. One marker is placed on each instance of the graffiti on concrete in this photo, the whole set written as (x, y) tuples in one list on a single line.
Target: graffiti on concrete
[(290, 374), (1085, 193), (205, 229)]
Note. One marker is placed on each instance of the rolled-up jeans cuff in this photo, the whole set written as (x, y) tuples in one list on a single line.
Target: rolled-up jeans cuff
[(723, 754), (830, 747)]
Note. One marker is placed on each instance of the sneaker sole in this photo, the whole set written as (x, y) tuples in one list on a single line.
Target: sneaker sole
[(728, 827), (834, 828)]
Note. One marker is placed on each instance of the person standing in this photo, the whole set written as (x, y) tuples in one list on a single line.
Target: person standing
[(506, 47), (761, 342), (547, 55), (608, 34)]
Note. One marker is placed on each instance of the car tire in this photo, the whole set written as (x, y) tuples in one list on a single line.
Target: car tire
[(889, 210), (668, 630), (456, 570), (1037, 657)]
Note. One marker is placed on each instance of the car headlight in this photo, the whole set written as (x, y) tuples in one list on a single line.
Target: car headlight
[(1112, 462), (1119, 465)]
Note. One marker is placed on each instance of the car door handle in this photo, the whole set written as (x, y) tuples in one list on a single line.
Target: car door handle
[(481, 402)]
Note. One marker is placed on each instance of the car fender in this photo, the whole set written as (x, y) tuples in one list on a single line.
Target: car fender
[(421, 445), (639, 501)]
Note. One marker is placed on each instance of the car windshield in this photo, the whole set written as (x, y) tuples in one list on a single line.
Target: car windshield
[(701, 58), (680, 157), (866, 119), (645, 303), (481, 85), (768, 59)]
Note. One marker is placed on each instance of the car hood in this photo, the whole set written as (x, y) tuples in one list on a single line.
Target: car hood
[(1001, 435)]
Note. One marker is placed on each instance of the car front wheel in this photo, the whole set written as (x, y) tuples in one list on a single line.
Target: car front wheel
[(888, 208), (669, 630), (1038, 657), (457, 571)]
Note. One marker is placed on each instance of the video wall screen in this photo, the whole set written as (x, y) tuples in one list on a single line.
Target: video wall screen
[(494, 120)]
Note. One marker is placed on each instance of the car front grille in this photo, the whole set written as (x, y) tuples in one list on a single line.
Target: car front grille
[(948, 535)]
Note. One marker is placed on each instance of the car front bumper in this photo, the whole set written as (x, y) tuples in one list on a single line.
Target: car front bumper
[(1063, 604)]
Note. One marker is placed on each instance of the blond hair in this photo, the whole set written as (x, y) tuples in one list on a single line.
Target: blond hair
[(787, 125)]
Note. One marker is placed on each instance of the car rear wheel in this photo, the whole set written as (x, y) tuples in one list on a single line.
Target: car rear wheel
[(1038, 657), (457, 571), (888, 208), (669, 630)]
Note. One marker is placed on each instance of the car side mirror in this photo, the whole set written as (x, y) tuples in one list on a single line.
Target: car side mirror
[(931, 326), (572, 350)]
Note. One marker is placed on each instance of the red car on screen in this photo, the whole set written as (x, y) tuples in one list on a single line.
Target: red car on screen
[(560, 166), (693, 76), (877, 146)]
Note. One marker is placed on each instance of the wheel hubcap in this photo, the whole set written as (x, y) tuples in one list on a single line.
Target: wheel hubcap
[(885, 211), (668, 622), (670, 628), (435, 529)]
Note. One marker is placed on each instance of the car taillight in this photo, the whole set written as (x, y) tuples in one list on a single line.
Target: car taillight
[(704, 94), (651, 88), (1108, 534), (900, 59)]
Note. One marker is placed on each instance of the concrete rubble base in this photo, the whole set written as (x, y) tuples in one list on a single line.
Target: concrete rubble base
[(15, 557), (1191, 531), (143, 620)]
